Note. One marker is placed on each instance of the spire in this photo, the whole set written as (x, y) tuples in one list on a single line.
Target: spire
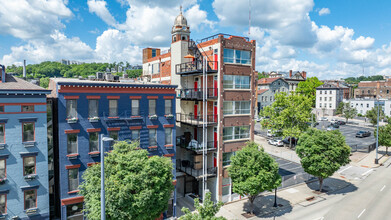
[(180, 8)]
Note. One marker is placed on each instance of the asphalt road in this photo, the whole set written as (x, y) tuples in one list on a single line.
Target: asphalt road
[(371, 201), (287, 167)]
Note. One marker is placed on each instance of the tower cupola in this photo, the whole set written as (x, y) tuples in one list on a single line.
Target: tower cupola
[(180, 29)]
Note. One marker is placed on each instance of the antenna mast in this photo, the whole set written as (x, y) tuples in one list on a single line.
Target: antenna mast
[(249, 18)]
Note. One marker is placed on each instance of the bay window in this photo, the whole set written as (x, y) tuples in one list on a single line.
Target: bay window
[(237, 132), (236, 107), (236, 82), (237, 56)]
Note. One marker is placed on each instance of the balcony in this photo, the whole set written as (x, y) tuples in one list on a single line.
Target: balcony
[(197, 94), (196, 67), (188, 167), (196, 120), (195, 146)]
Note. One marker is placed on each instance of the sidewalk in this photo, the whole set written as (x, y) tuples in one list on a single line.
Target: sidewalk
[(302, 194)]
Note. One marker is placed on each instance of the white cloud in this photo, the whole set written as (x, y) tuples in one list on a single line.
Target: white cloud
[(324, 11), (32, 19), (100, 9), (57, 47), (196, 17)]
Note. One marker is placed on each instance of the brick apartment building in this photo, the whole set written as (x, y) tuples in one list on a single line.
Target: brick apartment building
[(374, 89), (231, 93), (125, 111)]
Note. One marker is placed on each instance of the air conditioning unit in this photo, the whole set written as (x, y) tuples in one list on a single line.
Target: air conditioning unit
[(109, 77), (99, 76)]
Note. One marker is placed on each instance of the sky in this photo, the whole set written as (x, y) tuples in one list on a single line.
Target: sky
[(329, 39)]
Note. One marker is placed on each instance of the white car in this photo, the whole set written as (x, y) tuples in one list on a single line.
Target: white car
[(333, 120), (278, 143), (269, 133), (271, 142), (323, 119)]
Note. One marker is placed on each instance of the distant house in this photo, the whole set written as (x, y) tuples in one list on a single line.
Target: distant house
[(267, 88), (328, 97)]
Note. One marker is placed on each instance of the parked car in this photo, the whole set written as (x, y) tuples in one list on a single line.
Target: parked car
[(340, 123), (269, 133), (331, 128), (362, 134), (333, 120), (286, 141), (259, 119), (335, 125), (323, 119), (272, 142), (314, 124), (278, 143)]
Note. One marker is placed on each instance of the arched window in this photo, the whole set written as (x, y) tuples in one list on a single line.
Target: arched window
[(183, 37), (174, 39)]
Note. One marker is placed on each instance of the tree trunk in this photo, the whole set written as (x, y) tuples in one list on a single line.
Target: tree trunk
[(320, 183), (251, 198), (386, 150), (290, 142)]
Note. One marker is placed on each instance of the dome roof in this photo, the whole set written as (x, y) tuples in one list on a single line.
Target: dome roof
[(180, 20)]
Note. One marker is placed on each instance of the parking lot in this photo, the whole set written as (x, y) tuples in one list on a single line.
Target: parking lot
[(287, 167), (348, 131)]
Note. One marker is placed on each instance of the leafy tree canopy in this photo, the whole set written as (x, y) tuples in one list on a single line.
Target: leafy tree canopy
[(355, 80), (308, 88), (322, 153), (372, 115), (288, 114), (384, 136), (137, 187), (348, 111), (206, 211), (253, 171)]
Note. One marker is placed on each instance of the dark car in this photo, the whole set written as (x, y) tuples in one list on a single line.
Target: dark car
[(334, 125), (341, 123), (287, 140), (362, 134)]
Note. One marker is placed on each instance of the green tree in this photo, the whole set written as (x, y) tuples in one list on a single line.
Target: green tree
[(206, 211), (137, 186), (339, 108), (348, 112), (289, 114), (253, 171), (384, 136), (308, 88), (322, 153), (372, 115), (44, 82), (262, 75)]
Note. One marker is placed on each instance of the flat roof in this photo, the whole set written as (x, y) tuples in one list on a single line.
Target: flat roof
[(123, 82)]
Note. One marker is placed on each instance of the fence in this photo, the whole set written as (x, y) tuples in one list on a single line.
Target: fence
[(294, 179), (364, 149)]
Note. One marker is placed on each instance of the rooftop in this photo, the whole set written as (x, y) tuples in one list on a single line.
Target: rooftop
[(267, 80), (122, 82), (13, 83)]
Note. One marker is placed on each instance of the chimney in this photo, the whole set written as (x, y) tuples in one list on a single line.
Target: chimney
[(24, 69), (290, 73), (304, 74)]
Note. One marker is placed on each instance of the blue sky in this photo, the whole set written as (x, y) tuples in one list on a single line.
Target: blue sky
[(328, 39)]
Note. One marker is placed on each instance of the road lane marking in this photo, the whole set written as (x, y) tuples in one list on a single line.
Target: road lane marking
[(383, 188), (345, 169), (367, 172), (361, 213)]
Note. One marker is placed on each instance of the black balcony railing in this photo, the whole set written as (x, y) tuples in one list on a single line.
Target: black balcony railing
[(196, 66), (196, 146), (196, 120), (197, 94), (188, 167)]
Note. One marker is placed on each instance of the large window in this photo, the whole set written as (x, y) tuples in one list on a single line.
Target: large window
[(237, 56), (135, 108), (1, 108), (135, 135), (94, 142), (238, 132), (113, 108), (114, 135), (236, 107), (227, 158), (3, 172), (28, 132), (2, 133), (29, 165), (27, 108), (152, 107), (152, 137), (168, 106), (236, 82), (75, 211), (93, 108), (30, 199), (168, 135), (73, 179), (3, 204), (71, 108), (72, 144)]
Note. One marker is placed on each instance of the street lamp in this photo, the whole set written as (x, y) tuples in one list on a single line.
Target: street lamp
[(275, 197), (102, 175), (378, 103)]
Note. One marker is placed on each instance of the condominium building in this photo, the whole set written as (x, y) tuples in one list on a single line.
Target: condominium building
[(328, 97), (23, 150), (229, 87), (366, 104), (86, 109)]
